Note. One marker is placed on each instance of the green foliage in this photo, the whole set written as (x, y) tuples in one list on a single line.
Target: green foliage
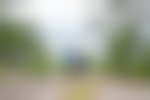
[(121, 51), (142, 65), (19, 49), (128, 56)]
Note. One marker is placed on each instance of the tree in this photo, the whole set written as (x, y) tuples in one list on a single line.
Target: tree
[(121, 51), (19, 48)]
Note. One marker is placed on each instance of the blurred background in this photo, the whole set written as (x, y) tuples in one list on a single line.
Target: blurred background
[(74, 50)]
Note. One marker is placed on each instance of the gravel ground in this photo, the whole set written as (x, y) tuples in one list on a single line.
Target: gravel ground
[(62, 88)]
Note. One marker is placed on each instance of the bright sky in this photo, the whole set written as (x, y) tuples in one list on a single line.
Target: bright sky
[(63, 23)]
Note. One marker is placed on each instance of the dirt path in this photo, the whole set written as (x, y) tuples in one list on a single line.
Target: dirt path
[(61, 88)]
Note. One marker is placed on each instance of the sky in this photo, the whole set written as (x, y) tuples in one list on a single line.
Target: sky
[(65, 24)]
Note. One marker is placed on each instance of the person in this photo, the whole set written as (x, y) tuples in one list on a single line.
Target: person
[(75, 62)]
